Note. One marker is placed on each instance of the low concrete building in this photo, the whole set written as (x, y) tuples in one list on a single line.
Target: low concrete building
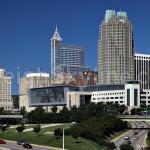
[(31, 80), (127, 94)]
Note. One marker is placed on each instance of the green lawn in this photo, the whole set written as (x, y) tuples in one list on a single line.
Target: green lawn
[(50, 140)]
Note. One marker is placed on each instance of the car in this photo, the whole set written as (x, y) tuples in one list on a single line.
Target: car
[(141, 126), (2, 141), (126, 138), (28, 146), (21, 142), (135, 138), (135, 133)]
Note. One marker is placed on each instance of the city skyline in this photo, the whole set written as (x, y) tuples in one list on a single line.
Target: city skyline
[(27, 26)]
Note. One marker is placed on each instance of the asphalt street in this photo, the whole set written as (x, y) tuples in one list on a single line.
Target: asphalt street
[(14, 146), (141, 133)]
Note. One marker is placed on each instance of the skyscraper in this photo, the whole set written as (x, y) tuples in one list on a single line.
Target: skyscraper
[(5, 91), (56, 43), (65, 58), (115, 49), (142, 70)]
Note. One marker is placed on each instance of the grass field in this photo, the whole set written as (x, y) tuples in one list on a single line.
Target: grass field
[(50, 140)]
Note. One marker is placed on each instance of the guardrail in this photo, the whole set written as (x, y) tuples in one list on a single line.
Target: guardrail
[(12, 116), (134, 116)]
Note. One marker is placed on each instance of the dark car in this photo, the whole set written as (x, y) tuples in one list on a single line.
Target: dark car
[(20, 142), (129, 142), (26, 145), (2, 142), (135, 133)]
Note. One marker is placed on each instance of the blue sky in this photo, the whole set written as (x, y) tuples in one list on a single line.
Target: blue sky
[(26, 27)]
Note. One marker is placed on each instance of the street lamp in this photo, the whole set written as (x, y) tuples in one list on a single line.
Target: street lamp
[(63, 138), (64, 135)]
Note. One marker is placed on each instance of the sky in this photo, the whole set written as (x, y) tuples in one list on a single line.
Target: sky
[(26, 27)]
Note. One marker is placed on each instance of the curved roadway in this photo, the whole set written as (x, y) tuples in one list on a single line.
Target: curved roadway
[(141, 134)]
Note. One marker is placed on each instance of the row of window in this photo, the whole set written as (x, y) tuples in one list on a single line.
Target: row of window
[(100, 94), (103, 98)]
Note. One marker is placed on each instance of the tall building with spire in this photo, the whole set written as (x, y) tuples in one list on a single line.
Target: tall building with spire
[(65, 58), (115, 49), (56, 43)]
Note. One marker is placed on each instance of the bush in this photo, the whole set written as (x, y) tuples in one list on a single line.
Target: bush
[(37, 128), (126, 147)]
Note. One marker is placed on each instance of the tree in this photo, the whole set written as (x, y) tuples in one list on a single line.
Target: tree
[(135, 111), (126, 147), (54, 109), (20, 129), (1, 110), (110, 146), (23, 110), (122, 109), (37, 116), (37, 128), (58, 132), (3, 128), (75, 132), (148, 135)]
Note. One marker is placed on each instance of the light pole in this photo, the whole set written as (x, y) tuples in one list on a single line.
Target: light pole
[(63, 138)]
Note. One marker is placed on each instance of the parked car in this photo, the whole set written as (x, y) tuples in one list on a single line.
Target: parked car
[(2, 141), (21, 142), (28, 146)]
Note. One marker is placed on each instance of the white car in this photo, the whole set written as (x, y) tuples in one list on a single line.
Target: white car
[(126, 138), (141, 126), (135, 138)]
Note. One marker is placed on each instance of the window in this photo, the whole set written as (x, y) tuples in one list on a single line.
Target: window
[(135, 97), (128, 97)]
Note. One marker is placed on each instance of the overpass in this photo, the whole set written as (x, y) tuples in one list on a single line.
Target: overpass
[(134, 117), (11, 116)]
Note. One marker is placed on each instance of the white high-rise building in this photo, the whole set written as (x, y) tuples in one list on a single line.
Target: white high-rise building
[(142, 70), (5, 90), (115, 49)]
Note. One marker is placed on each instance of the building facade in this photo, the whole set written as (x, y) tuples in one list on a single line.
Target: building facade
[(5, 91), (65, 58), (31, 80), (127, 94), (115, 49), (142, 70)]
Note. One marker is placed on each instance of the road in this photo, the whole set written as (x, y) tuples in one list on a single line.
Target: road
[(141, 133), (14, 146)]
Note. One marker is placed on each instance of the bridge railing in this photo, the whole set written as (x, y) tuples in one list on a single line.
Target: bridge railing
[(12, 116)]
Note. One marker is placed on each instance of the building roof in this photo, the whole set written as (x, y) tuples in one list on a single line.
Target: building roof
[(37, 75), (56, 35)]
